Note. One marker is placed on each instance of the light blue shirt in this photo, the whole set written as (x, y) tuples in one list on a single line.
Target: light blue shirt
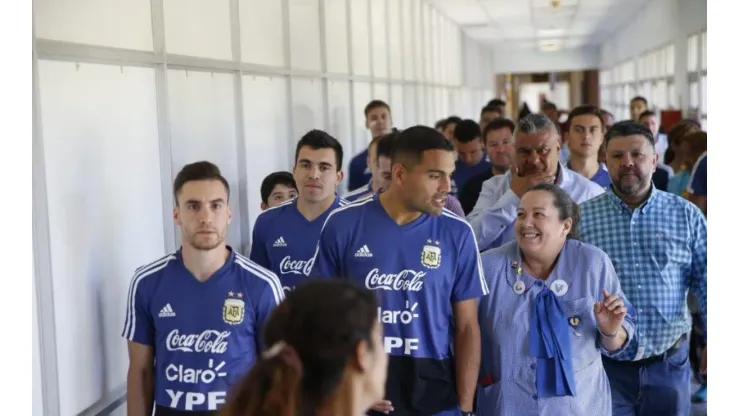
[(660, 253), (493, 217), (504, 318)]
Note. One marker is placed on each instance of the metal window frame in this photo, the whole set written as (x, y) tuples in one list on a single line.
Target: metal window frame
[(160, 60)]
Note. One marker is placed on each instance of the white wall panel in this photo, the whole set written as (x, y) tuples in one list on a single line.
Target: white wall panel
[(266, 126), (360, 37), (408, 33), (362, 96), (121, 24), (418, 40), (203, 127), (37, 393), (340, 122), (381, 92), (105, 213), (395, 40), (335, 33), (410, 105), (198, 28), (261, 26), (379, 33), (397, 104), (305, 37), (308, 107)]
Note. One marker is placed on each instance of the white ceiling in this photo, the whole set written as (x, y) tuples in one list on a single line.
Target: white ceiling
[(539, 24)]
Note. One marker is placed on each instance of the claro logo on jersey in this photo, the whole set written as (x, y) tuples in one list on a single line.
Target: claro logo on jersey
[(409, 280), (209, 341), (290, 266)]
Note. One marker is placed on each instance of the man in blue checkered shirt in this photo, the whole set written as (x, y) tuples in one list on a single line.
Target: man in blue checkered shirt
[(657, 242)]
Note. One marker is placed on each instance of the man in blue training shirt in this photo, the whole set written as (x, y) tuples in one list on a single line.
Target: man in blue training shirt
[(284, 237), (194, 317), (378, 121), (423, 262)]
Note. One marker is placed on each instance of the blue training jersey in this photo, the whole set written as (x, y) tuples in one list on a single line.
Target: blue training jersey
[(284, 241), (205, 335), (418, 270)]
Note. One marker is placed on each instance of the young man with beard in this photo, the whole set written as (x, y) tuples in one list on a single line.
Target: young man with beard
[(194, 317), (423, 262), (284, 237), (657, 242)]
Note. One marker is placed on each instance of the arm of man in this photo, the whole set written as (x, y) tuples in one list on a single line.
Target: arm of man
[(258, 253), (491, 215), (697, 188), (271, 296), (327, 260), (467, 352), (698, 277), (140, 380), (468, 287), (140, 334), (612, 346)]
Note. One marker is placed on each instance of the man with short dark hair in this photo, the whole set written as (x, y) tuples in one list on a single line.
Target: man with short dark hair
[(378, 121), (489, 113), (657, 242), (471, 159), (277, 188), (498, 139), (284, 237), (423, 260), (194, 317), (380, 165)]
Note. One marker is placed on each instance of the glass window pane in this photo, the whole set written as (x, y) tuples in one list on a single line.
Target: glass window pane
[(694, 95), (670, 60), (693, 53), (660, 63), (662, 96), (672, 96), (704, 50), (703, 96)]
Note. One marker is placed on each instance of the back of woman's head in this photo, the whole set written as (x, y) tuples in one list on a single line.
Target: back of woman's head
[(676, 135), (308, 339)]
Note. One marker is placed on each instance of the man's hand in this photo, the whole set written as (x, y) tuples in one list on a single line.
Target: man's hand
[(383, 406), (519, 184)]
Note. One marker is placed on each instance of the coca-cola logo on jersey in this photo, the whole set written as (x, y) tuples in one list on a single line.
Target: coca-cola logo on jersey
[(209, 341), (290, 266), (409, 280)]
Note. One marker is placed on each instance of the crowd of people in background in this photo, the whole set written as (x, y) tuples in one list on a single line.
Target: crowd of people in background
[(553, 263)]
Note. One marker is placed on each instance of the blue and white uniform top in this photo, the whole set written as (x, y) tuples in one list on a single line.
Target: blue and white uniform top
[(419, 271), (284, 241), (205, 335), (514, 379)]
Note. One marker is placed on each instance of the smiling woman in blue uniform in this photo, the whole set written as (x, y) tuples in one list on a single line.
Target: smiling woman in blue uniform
[(555, 306)]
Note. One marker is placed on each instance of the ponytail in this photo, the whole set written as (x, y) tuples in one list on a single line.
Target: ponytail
[(273, 387)]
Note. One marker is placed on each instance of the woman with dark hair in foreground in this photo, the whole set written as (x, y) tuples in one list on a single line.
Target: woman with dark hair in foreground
[(325, 356)]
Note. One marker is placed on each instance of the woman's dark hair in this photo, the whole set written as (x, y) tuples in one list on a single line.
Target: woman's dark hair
[(564, 204), (309, 338)]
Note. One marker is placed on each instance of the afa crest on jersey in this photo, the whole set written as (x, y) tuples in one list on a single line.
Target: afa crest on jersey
[(233, 311), (431, 255)]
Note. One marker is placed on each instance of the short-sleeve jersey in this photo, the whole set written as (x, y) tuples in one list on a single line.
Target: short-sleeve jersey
[(205, 335)]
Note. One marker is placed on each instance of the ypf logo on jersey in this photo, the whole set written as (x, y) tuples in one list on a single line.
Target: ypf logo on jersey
[(233, 311), (431, 254)]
